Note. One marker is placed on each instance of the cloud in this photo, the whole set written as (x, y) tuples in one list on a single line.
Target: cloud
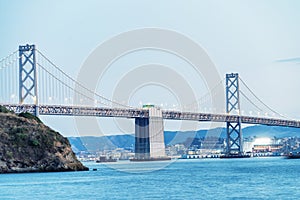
[(290, 60)]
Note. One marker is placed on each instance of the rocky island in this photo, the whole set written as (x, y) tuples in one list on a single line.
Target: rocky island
[(27, 145)]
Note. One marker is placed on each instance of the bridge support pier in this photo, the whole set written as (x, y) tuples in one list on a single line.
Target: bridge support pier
[(234, 130), (142, 141), (149, 136)]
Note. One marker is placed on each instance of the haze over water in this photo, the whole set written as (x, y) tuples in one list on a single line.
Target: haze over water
[(253, 178)]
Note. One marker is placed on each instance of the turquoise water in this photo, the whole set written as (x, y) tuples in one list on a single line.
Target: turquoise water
[(253, 178)]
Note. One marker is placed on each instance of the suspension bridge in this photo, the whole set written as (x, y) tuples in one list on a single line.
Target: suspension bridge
[(31, 82)]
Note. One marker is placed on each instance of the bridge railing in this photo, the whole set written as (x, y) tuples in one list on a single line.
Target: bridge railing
[(144, 113)]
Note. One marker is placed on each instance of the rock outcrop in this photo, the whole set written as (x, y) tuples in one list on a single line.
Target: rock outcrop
[(27, 145)]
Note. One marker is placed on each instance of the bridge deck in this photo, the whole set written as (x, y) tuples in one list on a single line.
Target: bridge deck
[(143, 113)]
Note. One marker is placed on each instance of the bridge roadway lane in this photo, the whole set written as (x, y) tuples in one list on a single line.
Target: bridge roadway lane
[(143, 113)]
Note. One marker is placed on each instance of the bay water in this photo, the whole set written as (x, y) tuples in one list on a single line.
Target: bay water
[(248, 178)]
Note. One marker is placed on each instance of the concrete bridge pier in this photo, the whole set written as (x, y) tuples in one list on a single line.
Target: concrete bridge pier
[(149, 136), (142, 141)]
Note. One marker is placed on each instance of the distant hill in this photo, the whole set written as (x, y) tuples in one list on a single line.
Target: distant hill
[(270, 131), (176, 137), (101, 143)]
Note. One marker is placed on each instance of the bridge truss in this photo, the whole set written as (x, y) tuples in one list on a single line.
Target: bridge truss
[(143, 113)]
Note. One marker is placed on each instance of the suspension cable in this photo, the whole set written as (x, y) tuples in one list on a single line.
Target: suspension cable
[(69, 87), (8, 56), (261, 100), (81, 85), (243, 94), (207, 94), (11, 60)]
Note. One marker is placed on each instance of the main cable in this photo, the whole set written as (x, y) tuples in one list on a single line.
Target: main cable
[(261, 100), (81, 85)]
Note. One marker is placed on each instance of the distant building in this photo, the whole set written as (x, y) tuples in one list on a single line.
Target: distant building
[(213, 144), (267, 148)]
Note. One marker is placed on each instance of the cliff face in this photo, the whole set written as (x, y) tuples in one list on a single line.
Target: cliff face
[(27, 145)]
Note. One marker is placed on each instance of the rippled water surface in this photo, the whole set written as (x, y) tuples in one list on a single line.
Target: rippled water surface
[(251, 178)]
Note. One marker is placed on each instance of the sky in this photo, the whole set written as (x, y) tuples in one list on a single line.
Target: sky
[(259, 39)]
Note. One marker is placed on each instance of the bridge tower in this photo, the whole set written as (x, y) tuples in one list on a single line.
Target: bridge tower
[(28, 92), (149, 136), (234, 130)]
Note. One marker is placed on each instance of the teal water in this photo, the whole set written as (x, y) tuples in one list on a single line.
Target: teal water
[(253, 178)]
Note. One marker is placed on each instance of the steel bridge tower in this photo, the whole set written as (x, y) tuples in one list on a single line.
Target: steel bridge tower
[(28, 92), (234, 130)]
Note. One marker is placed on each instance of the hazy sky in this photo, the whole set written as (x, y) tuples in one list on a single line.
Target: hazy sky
[(260, 39)]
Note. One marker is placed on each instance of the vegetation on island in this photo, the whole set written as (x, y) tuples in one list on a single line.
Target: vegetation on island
[(27, 145)]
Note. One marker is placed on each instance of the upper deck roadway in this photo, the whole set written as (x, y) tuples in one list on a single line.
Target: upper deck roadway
[(143, 113)]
